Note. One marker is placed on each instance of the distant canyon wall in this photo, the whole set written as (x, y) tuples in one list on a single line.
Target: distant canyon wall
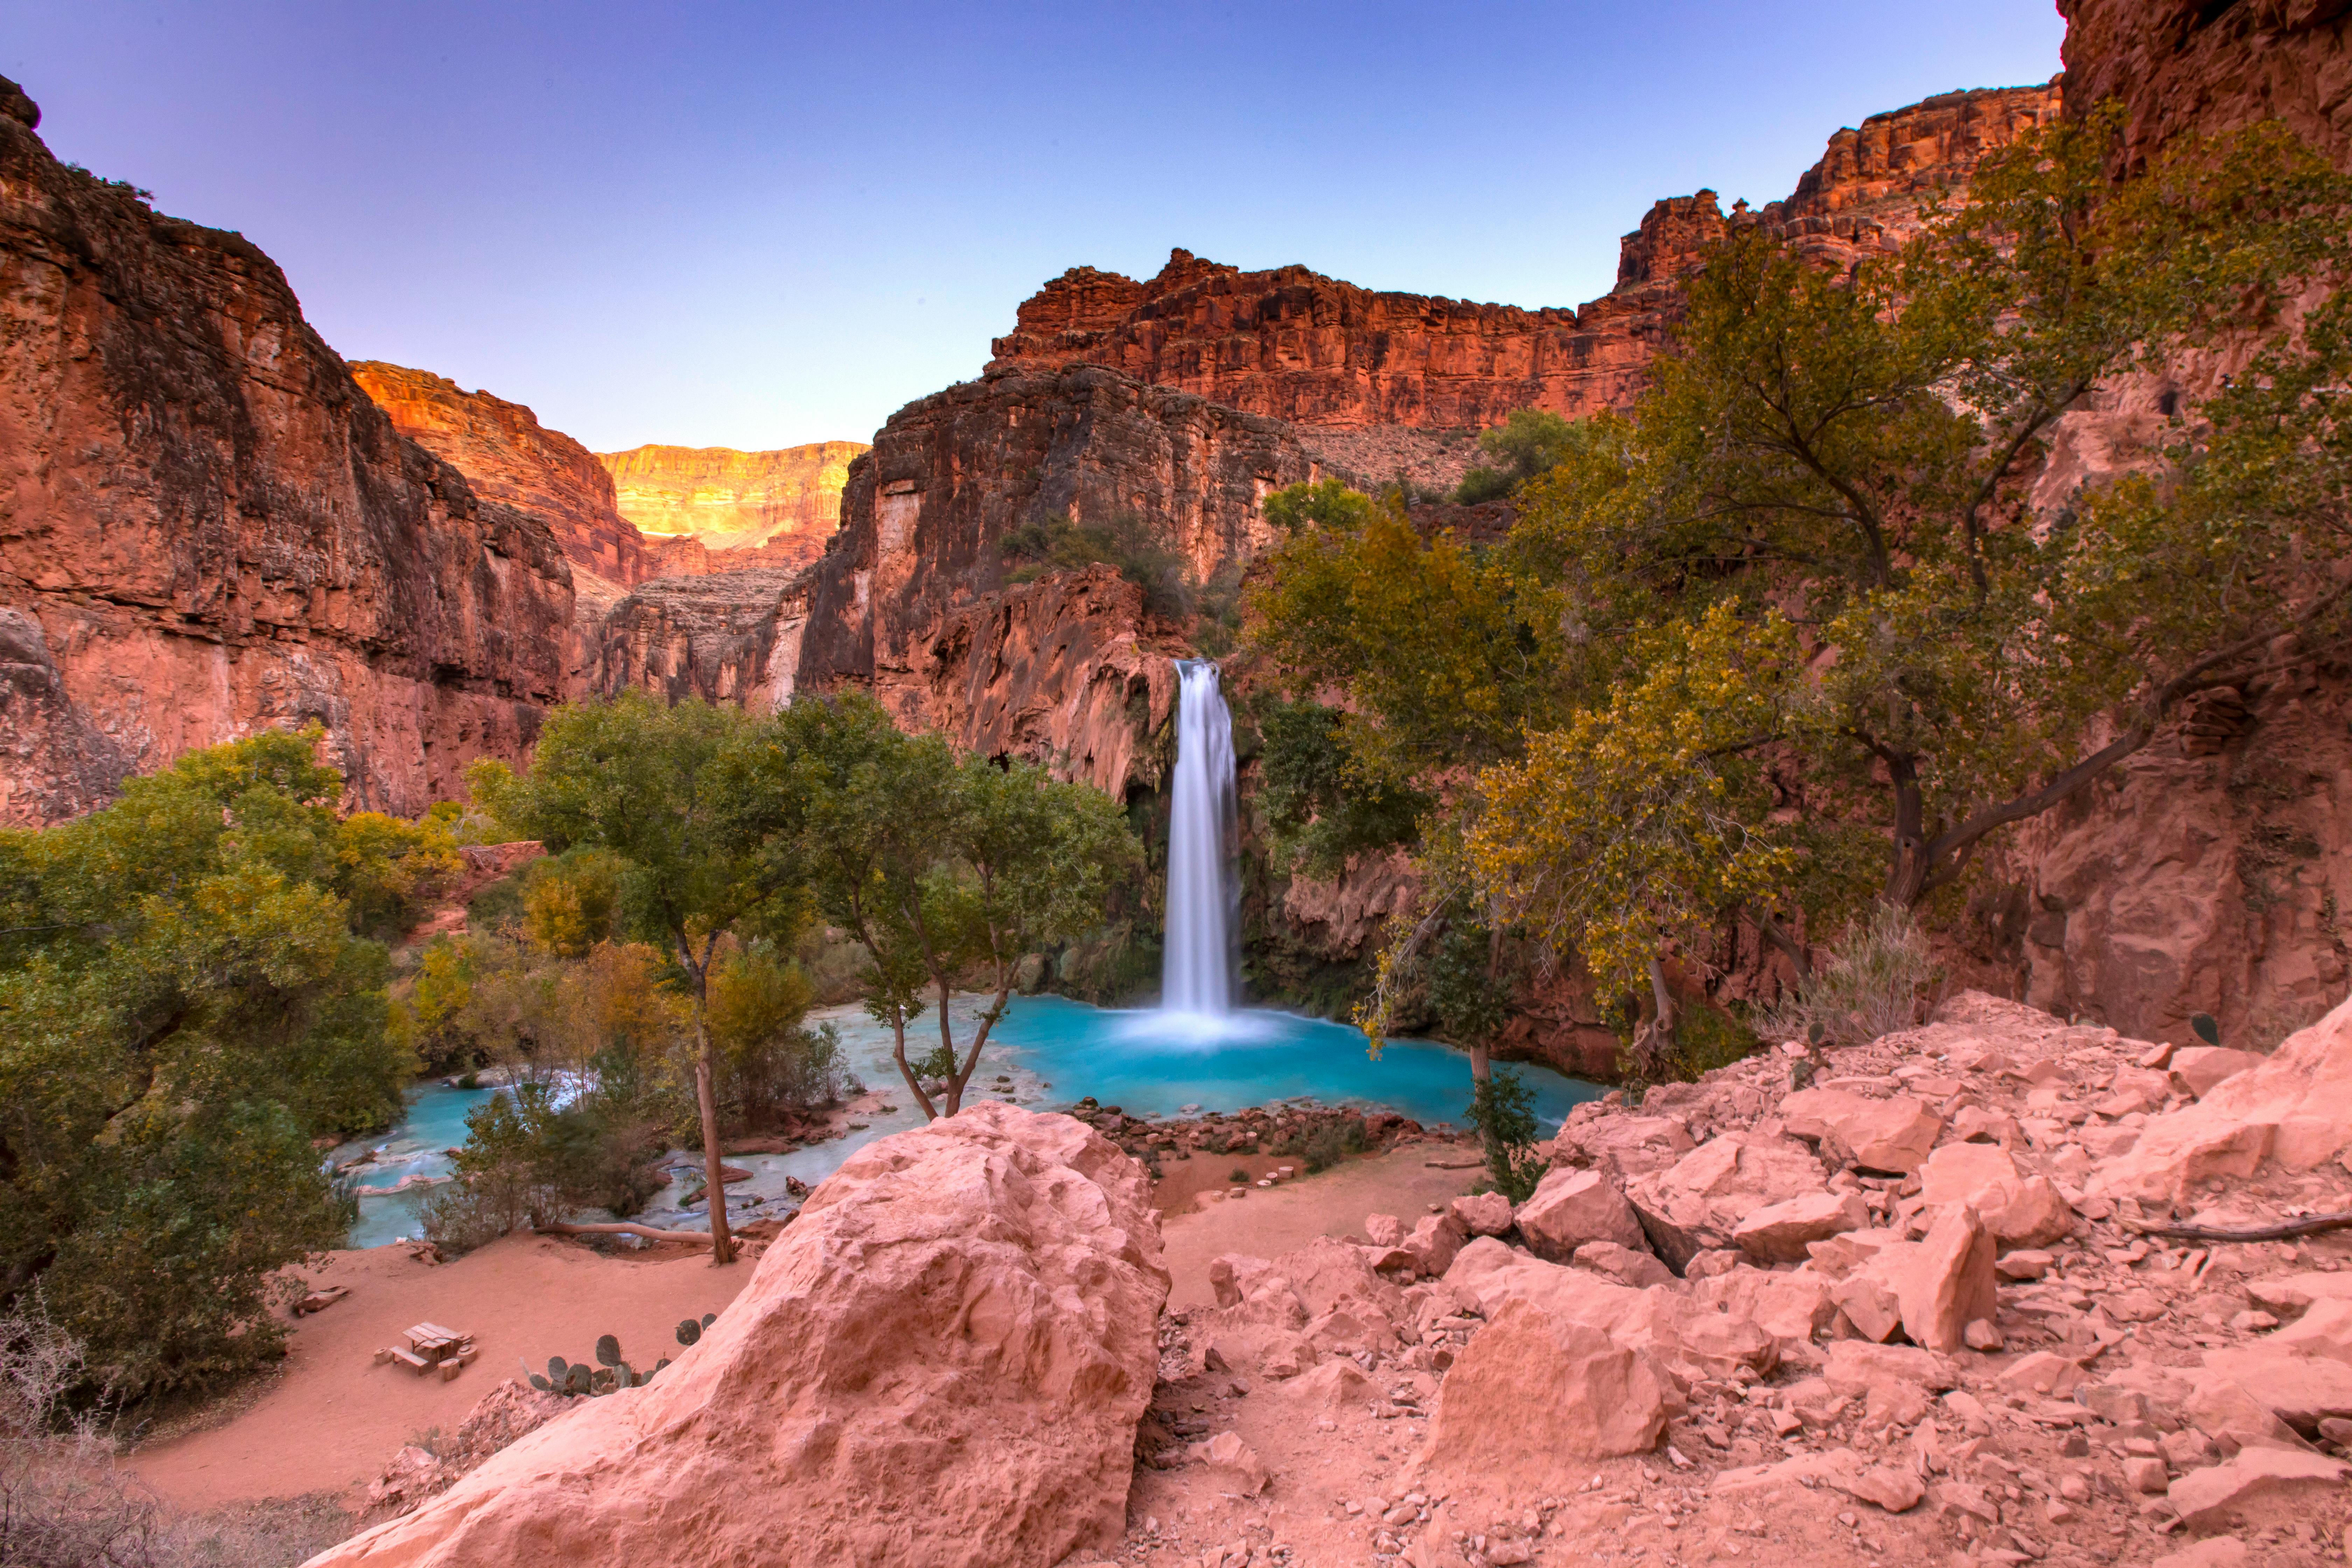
[(207, 527), (783, 504)]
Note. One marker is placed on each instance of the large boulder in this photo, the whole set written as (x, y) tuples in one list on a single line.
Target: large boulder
[(1932, 1289), (1697, 1203), (2020, 1210), (1570, 1207), (1779, 1233), (1534, 1390), (1623, 1146), (942, 1363), (1695, 1341), (1892, 1135), (2295, 1109)]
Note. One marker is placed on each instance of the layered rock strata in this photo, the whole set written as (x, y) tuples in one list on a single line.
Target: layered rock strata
[(507, 455), (207, 527), (940, 1362), (783, 503), (911, 599), (732, 636), (2192, 67), (1296, 345)]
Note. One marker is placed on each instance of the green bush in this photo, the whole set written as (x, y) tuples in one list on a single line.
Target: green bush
[(1503, 1109), (1125, 540)]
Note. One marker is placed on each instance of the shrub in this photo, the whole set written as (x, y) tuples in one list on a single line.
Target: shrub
[(1503, 1109), (1875, 982), (1125, 540)]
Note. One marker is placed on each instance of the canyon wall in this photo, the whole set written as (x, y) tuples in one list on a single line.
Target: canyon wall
[(507, 455), (207, 527), (2194, 67), (1293, 345), (912, 598), (783, 504), (728, 636)]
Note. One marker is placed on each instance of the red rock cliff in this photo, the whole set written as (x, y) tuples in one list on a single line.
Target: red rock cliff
[(2180, 66), (1297, 345), (507, 455), (911, 597), (207, 527), (783, 504)]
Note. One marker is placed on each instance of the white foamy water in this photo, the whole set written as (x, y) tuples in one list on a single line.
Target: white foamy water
[(1198, 973)]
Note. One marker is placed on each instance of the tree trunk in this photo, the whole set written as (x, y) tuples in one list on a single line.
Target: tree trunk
[(914, 1085), (1481, 1069), (706, 1097)]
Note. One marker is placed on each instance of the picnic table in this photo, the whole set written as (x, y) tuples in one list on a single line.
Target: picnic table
[(430, 1348)]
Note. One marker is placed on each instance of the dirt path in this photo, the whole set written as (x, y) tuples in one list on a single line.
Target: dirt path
[(329, 1419), (1403, 1182)]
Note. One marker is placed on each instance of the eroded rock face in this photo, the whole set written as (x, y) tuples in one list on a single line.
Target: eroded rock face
[(2191, 66), (731, 636), (911, 598), (942, 1362), (783, 504), (1317, 352), (507, 455), (214, 531)]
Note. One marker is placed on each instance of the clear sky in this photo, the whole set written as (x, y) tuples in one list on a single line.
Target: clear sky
[(753, 226)]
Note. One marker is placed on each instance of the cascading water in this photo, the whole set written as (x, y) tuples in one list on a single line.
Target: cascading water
[(1198, 973)]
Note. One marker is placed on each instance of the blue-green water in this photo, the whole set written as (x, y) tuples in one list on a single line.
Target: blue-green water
[(1053, 1052)]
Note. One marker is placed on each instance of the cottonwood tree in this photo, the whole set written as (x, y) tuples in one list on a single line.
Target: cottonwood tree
[(943, 867), (701, 807)]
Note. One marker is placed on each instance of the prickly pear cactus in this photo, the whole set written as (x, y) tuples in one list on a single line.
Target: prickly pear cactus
[(608, 1350), (688, 1332)]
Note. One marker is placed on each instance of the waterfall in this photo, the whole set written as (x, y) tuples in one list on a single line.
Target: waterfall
[(1198, 975)]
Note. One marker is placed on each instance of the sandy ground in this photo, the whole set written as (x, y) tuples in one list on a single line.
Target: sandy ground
[(329, 1420), (1404, 1181)]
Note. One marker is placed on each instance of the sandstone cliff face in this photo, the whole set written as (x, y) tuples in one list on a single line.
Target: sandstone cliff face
[(2190, 66), (784, 504), (910, 598), (729, 636), (207, 527), (1297, 345), (508, 455)]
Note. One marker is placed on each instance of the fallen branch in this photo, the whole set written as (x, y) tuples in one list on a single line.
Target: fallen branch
[(695, 1237), (2291, 1228)]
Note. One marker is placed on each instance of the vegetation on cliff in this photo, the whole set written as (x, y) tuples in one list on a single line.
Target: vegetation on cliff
[(1814, 621)]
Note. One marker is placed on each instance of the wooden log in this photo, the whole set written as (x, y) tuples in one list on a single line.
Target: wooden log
[(2284, 1231), (693, 1237)]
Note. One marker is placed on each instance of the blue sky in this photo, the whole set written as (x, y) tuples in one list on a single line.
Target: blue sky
[(755, 226)]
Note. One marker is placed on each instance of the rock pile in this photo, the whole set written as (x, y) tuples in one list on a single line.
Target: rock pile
[(942, 1362), (1925, 1306), (1291, 1129)]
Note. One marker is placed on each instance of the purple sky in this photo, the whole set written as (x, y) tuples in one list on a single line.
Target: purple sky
[(759, 225)]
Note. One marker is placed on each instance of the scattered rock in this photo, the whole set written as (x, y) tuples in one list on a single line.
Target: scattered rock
[(1570, 1207), (2218, 1496), (1891, 1135), (1695, 1204), (1234, 1465), (1534, 1388), (1779, 1233), (1482, 1213), (1625, 1266)]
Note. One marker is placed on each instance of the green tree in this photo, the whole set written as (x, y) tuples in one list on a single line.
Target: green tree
[(699, 804), (941, 868), (1844, 462), (183, 1007), (1529, 443)]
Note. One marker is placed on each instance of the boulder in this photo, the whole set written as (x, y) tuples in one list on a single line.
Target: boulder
[(1696, 1203), (2020, 1210), (1932, 1289), (1433, 1243), (1778, 1233), (1336, 1385), (2219, 1495), (1384, 1230), (1570, 1207), (2299, 1390), (1891, 1135), (1482, 1213), (1694, 1340), (2295, 1109), (2196, 1070), (2294, 1292), (2220, 1551), (1625, 1266), (1791, 1306), (1233, 1463), (1623, 1146), (941, 1362), (1534, 1389), (2325, 1331)]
